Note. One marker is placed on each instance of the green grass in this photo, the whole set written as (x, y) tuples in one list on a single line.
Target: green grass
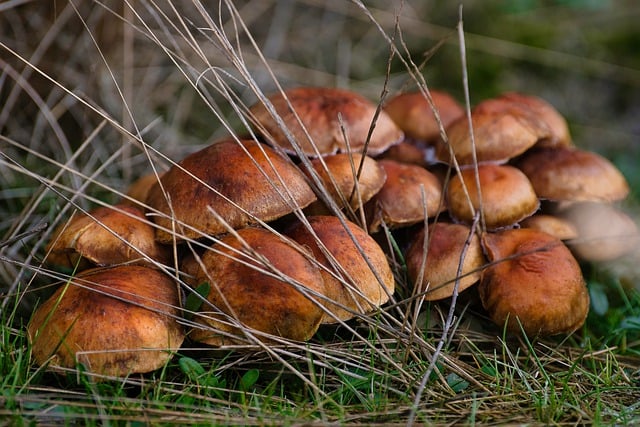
[(81, 116)]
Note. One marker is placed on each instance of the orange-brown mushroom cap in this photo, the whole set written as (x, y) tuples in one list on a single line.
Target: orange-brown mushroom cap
[(557, 124), (412, 112), (499, 135), (535, 281), (242, 182), (349, 275), (338, 173), (324, 112), (107, 235), (551, 224), (507, 195), (115, 321), (277, 298), (400, 202), (138, 191), (571, 174), (435, 271)]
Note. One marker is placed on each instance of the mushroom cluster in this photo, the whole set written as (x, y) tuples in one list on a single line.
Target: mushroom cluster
[(522, 205), (284, 229), (240, 215)]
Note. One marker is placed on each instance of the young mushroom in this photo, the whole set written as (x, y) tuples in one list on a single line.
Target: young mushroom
[(571, 174), (338, 173), (559, 129), (412, 112), (324, 120), (603, 231), (506, 197), (107, 235), (533, 282), (409, 194), (229, 184), (138, 191), (357, 275), (442, 257), (551, 224), (499, 135), (114, 321), (258, 281)]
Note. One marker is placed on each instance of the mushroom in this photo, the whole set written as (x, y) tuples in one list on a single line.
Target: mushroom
[(319, 119), (413, 113), (261, 281), (115, 321), (229, 184), (534, 282), (409, 152), (409, 193), (357, 275), (551, 224), (557, 124), (108, 235), (138, 191), (507, 195), (499, 135), (571, 174), (435, 265), (338, 173), (604, 232)]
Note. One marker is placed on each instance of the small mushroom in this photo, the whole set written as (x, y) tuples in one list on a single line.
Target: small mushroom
[(551, 224), (357, 275), (571, 174), (414, 153), (328, 115), (436, 264), (558, 126), (338, 174), (138, 191), (401, 201), (412, 112), (604, 232), (261, 281), (108, 235), (115, 321), (499, 135), (507, 195), (227, 184), (533, 281)]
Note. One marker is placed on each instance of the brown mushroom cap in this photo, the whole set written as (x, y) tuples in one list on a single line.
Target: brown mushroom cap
[(413, 114), (570, 174), (438, 267), (138, 191), (107, 235), (360, 290), (242, 182), (499, 135), (507, 195), (319, 110), (115, 321), (338, 174), (243, 289), (558, 126), (410, 152), (400, 201), (534, 280), (604, 232), (551, 224)]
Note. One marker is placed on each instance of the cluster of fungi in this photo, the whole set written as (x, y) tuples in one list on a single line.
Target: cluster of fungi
[(285, 228)]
